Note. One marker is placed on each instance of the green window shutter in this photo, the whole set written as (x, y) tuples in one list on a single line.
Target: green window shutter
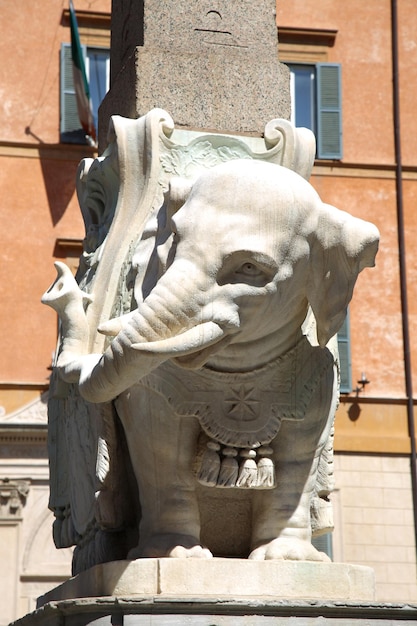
[(324, 543), (329, 111), (70, 125), (343, 342)]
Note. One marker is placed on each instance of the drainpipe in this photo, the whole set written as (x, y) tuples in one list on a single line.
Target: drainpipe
[(402, 261)]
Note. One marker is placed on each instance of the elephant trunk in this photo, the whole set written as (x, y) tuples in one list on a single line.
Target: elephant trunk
[(175, 321)]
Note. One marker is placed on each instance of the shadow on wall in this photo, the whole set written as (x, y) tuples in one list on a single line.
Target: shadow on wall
[(59, 181)]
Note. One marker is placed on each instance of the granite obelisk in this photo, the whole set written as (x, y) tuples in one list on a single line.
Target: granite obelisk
[(212, 64)]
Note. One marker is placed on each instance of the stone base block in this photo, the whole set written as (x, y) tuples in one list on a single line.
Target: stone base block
[(227, 578), (218, 592)]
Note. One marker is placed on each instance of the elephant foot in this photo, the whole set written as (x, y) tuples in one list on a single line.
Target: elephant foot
[(291, 549), (195, 552), (171, 545)]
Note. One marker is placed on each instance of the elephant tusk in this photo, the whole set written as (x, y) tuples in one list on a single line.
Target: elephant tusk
[(112, 327), (189, 342)]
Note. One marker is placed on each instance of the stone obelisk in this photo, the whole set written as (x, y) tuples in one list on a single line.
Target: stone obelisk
[(212, 64)]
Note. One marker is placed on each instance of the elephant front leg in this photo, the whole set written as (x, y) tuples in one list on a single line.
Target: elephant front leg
[(282, 525), (282, 516), (170, 525), (162, 449)]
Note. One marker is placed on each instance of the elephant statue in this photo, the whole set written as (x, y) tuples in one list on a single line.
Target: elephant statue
[(225, 374)]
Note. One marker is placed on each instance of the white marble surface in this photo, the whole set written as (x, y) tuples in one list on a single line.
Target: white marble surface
[(228, 578), (212, 286)]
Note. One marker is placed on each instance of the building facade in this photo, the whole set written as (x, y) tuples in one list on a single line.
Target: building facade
[(358, 169), (374, 46), (41, 222)]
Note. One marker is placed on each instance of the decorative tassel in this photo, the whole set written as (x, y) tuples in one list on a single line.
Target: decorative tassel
[(210, 465), (248, 474), (266, 469), (229, 469)]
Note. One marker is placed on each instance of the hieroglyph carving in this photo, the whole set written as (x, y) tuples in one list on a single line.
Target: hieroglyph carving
[(203, 318)]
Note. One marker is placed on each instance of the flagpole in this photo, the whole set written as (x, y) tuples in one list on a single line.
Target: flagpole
[(81, 86)]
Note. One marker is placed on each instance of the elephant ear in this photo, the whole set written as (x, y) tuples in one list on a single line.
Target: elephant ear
[(341, 247), (151, 253), (178, 192)]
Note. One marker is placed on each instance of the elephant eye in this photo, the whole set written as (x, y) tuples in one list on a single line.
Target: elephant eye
[(249, 269), (243, 266)]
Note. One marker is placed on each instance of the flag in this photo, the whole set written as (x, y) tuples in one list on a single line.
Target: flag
[(82, 90)]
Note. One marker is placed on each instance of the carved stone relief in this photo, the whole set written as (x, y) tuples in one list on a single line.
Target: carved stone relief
[(13, 494)]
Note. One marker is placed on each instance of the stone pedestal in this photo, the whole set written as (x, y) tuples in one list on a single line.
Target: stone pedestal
[(218, 592), (209, 65), (219, 577)]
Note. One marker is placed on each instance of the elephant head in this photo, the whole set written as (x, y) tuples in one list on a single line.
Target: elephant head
[(252, 247)]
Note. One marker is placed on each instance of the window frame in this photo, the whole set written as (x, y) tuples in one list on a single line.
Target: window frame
[(324, 543), (329, 107), (69, 130), (326, 105), (345, 357)]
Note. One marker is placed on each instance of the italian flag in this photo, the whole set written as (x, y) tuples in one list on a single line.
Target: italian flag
[(82, 90)]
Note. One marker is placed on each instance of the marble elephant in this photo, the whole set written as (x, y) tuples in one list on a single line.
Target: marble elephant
[(226, 375)]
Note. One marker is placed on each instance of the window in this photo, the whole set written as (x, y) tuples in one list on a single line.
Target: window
[(324, 543), (343, 341), (316, 104), (97, 61)]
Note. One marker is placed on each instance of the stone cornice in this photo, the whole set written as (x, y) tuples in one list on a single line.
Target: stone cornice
[(19, 436), (310, 36), (57, 151), (88, 19), (69, 152), (362, 170)]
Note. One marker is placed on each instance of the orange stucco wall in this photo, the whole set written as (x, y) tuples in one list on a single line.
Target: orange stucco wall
[(376, 330), (38, 206), (364, 183), (38, 203), (30, 40)]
